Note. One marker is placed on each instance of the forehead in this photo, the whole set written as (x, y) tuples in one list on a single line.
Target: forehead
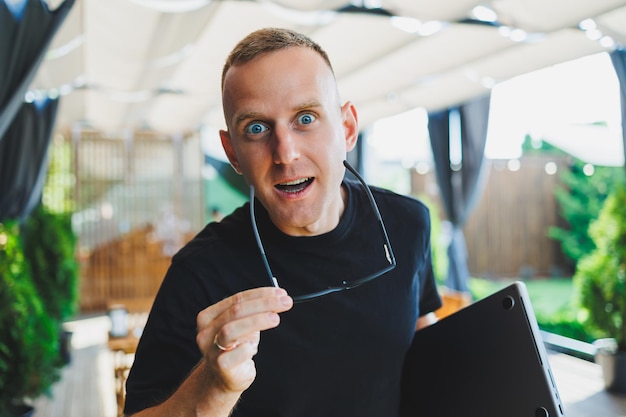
[(290, 56), (289, 77)]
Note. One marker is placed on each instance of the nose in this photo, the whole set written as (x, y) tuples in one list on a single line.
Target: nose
[(286, 148)]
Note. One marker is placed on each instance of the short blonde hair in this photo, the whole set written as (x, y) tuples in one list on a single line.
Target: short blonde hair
[(264, 41)]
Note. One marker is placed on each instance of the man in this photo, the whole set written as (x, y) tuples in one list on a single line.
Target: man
[(221, 340)]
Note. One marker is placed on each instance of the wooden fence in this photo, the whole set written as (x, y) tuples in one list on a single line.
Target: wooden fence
[(507, 232)]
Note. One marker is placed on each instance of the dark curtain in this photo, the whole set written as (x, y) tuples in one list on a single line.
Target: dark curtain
[(23, 159), (25, 128), (460, 183), (618, 57), (23, 43)]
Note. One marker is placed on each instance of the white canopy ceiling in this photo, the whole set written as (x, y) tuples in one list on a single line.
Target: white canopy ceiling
[(130, 64)]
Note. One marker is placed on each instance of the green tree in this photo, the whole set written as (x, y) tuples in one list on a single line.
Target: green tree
[(58, 192), (601, 274), (585, 188), (580, 201), (49, 247), (29, 345), (539, 146)]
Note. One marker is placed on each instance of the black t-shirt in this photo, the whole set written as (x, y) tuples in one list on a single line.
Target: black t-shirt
[(339, 355)]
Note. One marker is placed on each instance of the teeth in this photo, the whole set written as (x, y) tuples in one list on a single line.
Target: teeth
[(296, 182)]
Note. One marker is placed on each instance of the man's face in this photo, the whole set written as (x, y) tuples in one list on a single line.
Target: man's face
[(288, 135)]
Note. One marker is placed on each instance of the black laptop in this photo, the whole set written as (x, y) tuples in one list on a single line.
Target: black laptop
[(486, 360)]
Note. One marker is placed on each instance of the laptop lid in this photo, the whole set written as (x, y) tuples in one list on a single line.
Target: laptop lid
[(485, 360)]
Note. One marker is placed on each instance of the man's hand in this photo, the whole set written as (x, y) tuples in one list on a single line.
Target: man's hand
[(228, 337), (229, 333)]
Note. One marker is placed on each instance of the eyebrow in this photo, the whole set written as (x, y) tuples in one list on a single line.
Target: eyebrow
[(256, 115), (308, 105), (246, 116)]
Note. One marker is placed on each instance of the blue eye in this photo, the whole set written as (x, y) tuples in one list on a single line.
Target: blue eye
[(255, 128), (306, 119)]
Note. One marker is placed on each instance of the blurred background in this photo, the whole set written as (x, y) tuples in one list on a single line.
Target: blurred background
[(505, 117)]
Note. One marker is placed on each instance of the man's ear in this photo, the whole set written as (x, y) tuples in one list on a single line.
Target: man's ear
[(350, 124), (230, 152)]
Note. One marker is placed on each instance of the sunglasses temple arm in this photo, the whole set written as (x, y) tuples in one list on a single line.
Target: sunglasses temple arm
[(258, 240), (388, 251)]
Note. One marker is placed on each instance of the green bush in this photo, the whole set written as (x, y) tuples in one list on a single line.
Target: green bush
[(552, 301), (601, 275), (564, 323), (580, 201), (49, 247), (29, 340)]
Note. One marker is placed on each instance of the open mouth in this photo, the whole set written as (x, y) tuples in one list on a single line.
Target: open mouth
[(295, 186)]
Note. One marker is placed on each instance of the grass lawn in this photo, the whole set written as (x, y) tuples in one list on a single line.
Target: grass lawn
[(551, 296), (552, 300), (547, 296)]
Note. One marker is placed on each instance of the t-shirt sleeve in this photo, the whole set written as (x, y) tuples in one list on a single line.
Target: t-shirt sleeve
[(167, 351), (429, 296)]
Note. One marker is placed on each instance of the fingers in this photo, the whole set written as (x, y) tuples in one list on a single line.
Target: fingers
[(229, 332), (233, 319), (235, 370), (237, 330), (246, 303)]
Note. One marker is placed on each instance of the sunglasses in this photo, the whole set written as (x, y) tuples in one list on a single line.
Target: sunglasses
[(345, 285)]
